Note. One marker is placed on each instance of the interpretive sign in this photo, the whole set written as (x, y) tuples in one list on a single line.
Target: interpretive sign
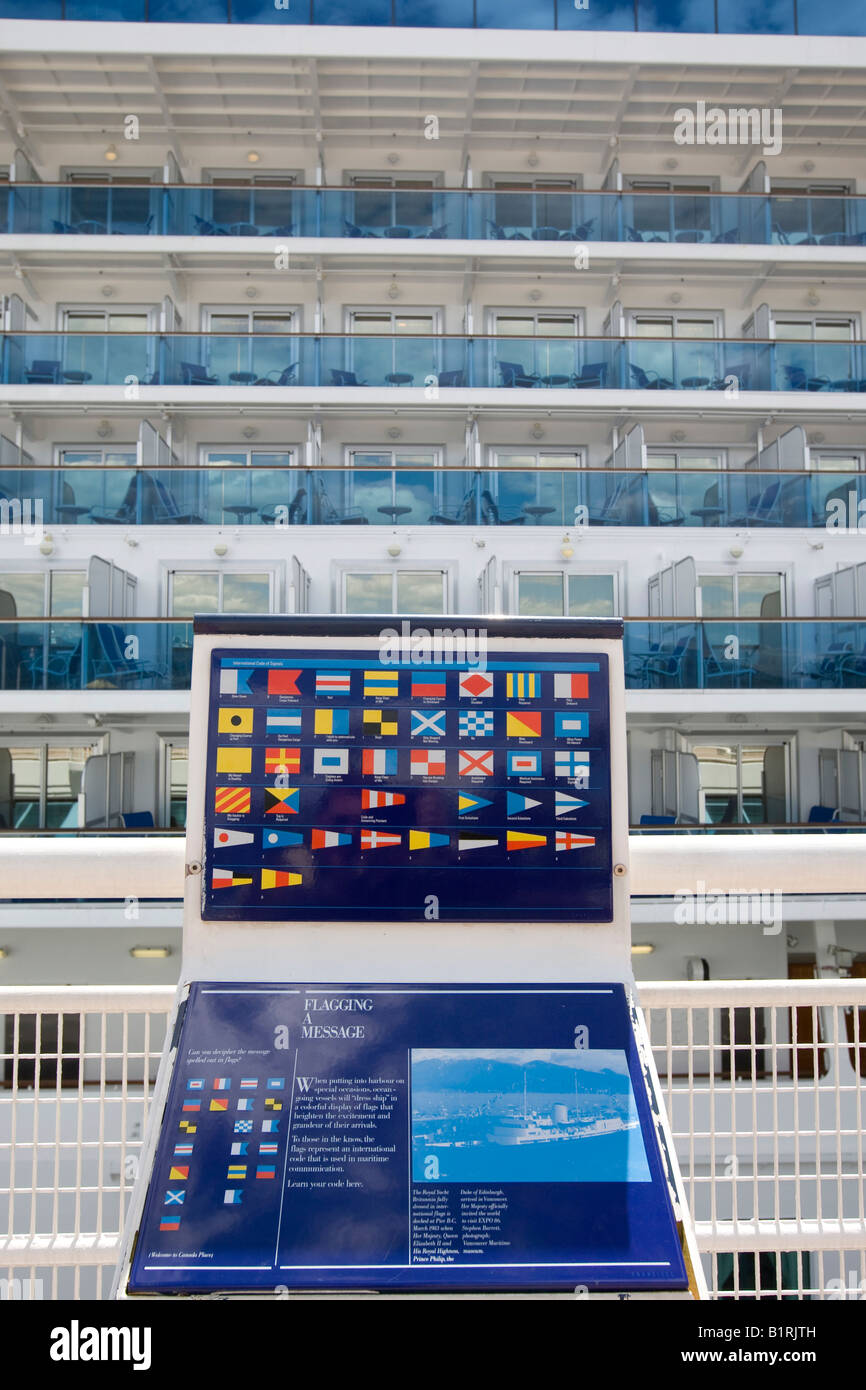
[(357, 785), (407, 1136)]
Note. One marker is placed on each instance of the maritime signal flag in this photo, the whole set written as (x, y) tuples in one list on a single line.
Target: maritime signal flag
[(475, 723), (232, 801), (430, 725), (566, 840), (333, 682), (169, 1225), (234, 760), (381, 684), (235, 721), (278, 839), (282, 760), (222, 1083), (219, 1103), (379, 762), (233, 1197), (466, 842), (245, 1103), (223, 838), (475, 685), (236, 682), (523, 685), (517, 803), (283, 722), (427, 687), (466, 804), (379, 839), (427, 762), (282, 801), (240, 1148), (524, 764), (372, 801), (566, 805), (331, 721), (331, 762), (569, 725), (380, 721), (524, 724), (425, 839), (476, 764), (570, 685), (178, 1174), (279, 878), (328, 839), (517, 839), (571, 762), (226, 878), (283, 682)]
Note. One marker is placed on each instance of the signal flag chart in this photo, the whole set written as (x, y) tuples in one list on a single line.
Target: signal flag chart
[(342, 787)]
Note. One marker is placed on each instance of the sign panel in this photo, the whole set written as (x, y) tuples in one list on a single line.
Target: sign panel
[(417, 1137), (342, 787)]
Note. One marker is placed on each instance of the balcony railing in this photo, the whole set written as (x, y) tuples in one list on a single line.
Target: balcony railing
[(433, 214), (431, 362), (660, 654), (446, 496), (703, 16)]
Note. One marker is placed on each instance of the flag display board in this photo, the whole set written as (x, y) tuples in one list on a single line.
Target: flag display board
[(406, 1137), (353, 785)]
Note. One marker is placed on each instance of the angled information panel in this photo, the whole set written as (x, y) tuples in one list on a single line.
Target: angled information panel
[(352, 786), (426, 1137)]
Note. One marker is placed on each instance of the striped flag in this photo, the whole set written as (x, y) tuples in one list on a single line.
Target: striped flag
[(279, 878), (467, 842), (331, 721), (283, 722), (427, 687), (565, 840), (570, 725), (232, 801), (234, 760), (379, 684), (523, 685), (222, 1083), (245, 1103), (235, 682), (379, 839), (169, 1225), (249, 1083), (333, 682), (266, 1170), (240, 1148), (283, 682), (191, 1107), (183, 1150), (517, 839), (523, 724), (425, 839), (282, 760), (328, 839), (571, 762), (427, 762), (233, 1197), (269, 1148), (235, 721), (379, 762), (566, 805), (226, 878), (372, 801), (570, 685), (270, 1126)]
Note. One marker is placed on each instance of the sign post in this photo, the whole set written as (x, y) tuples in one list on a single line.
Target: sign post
[(406, 1055)]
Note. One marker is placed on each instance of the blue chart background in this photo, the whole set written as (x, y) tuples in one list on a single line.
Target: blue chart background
[(346, 883), (609, 1234)]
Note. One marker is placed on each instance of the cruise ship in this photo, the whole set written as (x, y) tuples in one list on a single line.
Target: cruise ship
[(472, 308)]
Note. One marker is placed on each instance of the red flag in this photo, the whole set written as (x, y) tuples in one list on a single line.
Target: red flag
[(283, 682)]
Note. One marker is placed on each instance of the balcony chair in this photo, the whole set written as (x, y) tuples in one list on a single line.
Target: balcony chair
[(194, 374), (546, 234), (590, 374), (275, 377), (632, 234), (397, 233), (354, 231), (297, 510), (740, 370), (287, 229), (827, 669), (107, 663), (822, 815), (148, 502), (490, 514), (728, 237), (581, 233), (513, 374), (658, 820), (799, 380), (852, 672), (498, 233), (326, 514), (455, 378), (649, 380), (464, 516), (716, 668), (137, 820), (437, 233), (665, 664), (63, 228), (341, 378), (762, 510), (205, 228), (43, 372)]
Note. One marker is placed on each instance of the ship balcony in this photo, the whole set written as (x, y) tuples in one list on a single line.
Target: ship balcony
[(524, 219), (290, 497), (708, 372), (669, 655)]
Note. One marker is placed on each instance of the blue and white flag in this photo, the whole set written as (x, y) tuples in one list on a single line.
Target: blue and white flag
[(428, 725), (573, 763), (570, 724)]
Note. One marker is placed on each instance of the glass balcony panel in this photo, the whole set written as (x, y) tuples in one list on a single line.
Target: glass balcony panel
[(270, 12), (757, 17), (846, 17), (595, 14), (105, 10), (366, 12), (514, 14), (187, 11), (438, 14), (681, 16)]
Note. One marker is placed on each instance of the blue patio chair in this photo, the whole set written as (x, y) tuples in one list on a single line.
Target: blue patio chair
[(491, 516), (341, 378), (326, 514), (822, 815), (107, 662), (762, 510), (137, 820), (437, 233), (275, 377), (658, 820), (734, 673), (667, 664), (498, 233), (581, 233), (147, 502), (464, 516), (649, 380), (731, 235), (590, 374), (43, 371), (455, 378), (513, 374)]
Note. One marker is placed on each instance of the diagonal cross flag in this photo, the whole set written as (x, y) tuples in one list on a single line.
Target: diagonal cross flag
[(433, 725)]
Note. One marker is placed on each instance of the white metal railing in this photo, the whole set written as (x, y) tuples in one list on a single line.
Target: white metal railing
[(764, 1083)]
